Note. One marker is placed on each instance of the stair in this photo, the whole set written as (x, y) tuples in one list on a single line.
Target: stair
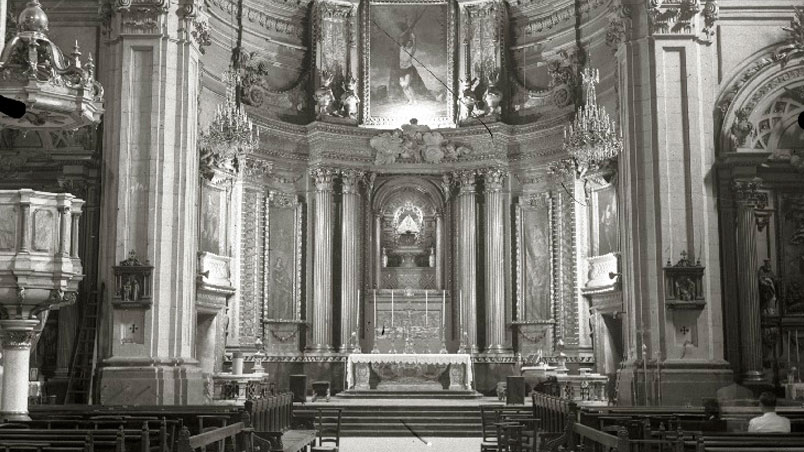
[(83, 363), (424, 420)]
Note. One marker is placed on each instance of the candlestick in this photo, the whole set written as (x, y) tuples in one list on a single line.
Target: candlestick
[(425, 307), (789, 344), (358, 309), (460, 310), (392, 308), (798, 357), (443, 308)]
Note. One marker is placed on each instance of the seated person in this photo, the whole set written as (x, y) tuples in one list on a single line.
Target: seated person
[(769, 422)]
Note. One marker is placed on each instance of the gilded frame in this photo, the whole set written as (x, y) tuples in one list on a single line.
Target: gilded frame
[(447, 120)]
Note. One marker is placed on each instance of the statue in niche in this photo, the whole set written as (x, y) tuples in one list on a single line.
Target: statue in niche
[(767, 289), (349, 99), (685, 289), (493, 95), (323, 95), (467, 99)]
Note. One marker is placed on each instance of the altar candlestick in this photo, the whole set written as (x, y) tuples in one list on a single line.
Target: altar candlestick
[(425, 308), (460, 311), (443, 309), (789, 344), (798, 357), (375, 310), (358, 310), (392, 308)]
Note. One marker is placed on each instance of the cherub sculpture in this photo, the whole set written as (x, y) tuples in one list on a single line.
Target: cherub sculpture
[(493, 95), (323, 95), (467, 99), (349, 99)]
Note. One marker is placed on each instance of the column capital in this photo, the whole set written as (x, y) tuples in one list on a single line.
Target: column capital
[(18, 333), (465, 180), (145, 17), (350, 178), (493, 178), (323, 178), (747, 193)]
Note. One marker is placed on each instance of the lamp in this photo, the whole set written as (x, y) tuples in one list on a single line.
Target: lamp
[(591, 141), (58, 92)]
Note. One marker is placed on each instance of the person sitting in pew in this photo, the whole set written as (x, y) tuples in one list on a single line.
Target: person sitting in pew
[(769, 422)]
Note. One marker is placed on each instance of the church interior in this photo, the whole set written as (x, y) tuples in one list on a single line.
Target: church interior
[(370, 225)]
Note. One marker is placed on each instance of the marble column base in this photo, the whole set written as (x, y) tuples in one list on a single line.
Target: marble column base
[(681, 384), (499, 350), (160, 384), (319, 348)]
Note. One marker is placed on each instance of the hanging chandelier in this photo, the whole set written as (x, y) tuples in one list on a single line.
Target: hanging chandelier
[(592, 140), (58, 92), (231, 134)]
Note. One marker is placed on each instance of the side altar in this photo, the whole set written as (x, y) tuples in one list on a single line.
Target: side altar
[(409, 371)]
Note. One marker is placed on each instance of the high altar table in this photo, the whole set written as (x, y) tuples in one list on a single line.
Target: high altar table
[(358, 367)]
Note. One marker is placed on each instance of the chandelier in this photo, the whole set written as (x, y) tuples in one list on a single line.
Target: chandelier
[(58, 92), (592, 140)]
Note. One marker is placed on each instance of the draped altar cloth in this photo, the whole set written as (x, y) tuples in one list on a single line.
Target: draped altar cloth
[(407, 358)]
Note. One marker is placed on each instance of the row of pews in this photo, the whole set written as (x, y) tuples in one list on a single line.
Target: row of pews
[(263, 424), (655, 429)]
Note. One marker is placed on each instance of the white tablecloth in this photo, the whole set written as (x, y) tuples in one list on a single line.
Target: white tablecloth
[(407, 358)]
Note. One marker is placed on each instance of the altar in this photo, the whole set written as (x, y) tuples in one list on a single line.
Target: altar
[(409, 371)]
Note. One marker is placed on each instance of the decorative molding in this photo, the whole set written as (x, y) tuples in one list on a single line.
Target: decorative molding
[(683, 17), (564, 82), (619, 24), (256, 167), (793, 45), (552, 19), (136, 16), (263, 18)]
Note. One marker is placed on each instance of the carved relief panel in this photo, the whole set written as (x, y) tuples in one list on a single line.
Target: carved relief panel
[(792, 255)]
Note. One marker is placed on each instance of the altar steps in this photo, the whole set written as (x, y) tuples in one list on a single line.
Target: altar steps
[(384, 420)]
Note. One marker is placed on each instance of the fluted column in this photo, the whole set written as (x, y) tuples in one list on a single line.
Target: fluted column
[(439, 249), (322, 261), (749, 199), (495, 262), (350, 250), (467, 256)]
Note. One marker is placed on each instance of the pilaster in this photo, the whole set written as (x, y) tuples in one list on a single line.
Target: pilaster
[(322, 261), (152, 181)]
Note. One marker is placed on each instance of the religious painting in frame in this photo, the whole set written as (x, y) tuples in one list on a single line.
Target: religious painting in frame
[(604, 222), (535, 259), (408, 62), (283, 262)]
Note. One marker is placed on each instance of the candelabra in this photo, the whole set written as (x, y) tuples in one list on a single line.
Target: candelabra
[(464, 341), (591, 141), (375, 350)]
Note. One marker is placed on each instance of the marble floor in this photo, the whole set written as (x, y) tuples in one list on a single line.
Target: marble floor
[(409, 444)]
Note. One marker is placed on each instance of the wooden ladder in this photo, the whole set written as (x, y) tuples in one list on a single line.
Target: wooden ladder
[(84, 361)]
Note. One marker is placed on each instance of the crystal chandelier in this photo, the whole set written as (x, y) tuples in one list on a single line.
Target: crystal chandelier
[(231, 134), (592, 140), (58, 92)]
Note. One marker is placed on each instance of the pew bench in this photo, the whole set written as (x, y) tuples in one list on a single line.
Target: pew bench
[(99, 440)]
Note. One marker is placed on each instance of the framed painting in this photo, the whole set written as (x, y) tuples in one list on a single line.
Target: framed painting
[(535, 259), (283, 261), (605, 233), (408, 60)]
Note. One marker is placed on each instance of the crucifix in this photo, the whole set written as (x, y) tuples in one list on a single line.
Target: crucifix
[(684, 330), (133, 328)]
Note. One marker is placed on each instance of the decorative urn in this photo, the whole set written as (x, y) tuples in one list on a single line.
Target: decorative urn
[(39, 270)]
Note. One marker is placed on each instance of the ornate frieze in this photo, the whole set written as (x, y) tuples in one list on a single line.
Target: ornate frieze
[(262, 17), (683, 17), (554, 18)]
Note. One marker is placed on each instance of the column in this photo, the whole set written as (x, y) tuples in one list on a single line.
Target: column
[(17, 337), (439, 221), (495, 262), (467, 256), (377, 249), (322, 261), (747, 200), (350, 252), (150, 133)]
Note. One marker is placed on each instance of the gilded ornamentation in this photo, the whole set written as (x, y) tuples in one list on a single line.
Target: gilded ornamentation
[(415, 143), (793, 45)]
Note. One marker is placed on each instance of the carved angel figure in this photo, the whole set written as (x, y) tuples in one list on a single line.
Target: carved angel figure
[(349, 99), (388, 146), (493, 95), (323, 95), (432, 151), (467, 99)]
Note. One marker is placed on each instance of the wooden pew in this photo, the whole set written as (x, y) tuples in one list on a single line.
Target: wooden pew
[(238, 435), (271, 420)]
